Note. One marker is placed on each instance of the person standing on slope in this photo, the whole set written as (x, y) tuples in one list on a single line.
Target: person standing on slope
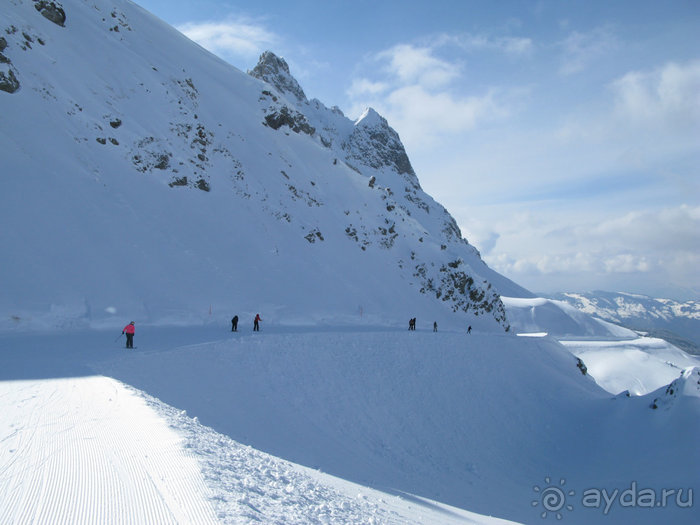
[(234, 324), (129, 330), (256, 325)]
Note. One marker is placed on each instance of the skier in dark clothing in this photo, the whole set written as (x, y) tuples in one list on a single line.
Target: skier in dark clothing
[(129, 330), (435, 326), (469, 330), (256, 325), (412, 324), (234, 324)]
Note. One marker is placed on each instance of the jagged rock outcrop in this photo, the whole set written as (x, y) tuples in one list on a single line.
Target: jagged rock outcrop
[(687, 385), (52, 11), (288, 117), (375, 144), (275, 71), (8, 81)]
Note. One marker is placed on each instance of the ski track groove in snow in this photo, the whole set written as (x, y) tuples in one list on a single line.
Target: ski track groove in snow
[(85, 450)]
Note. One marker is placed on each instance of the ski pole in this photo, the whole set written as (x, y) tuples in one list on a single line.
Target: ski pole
[(117, 339)]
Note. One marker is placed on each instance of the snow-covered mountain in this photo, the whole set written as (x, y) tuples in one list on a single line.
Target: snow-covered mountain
[(558, 318), (147, 179), (618, 358), (676, 321), (150, 180)]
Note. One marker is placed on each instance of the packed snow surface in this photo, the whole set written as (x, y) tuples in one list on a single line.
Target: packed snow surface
[(322, 425), (88, 449)]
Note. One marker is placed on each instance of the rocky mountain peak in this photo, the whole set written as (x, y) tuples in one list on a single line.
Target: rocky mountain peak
[(376, 144), (371, 119), (275, 71)]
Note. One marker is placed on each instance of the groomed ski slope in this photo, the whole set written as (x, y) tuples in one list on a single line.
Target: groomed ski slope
[(474, 422), (92, 450), (88, 450)]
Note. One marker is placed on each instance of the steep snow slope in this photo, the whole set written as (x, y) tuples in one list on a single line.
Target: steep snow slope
[(151, 180)]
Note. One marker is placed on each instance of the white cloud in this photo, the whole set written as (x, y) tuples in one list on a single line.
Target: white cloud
[(418, 65), (363, 86), (419, 111), (641, 250), (627, 263), (232, 38), (668, 230), (512, 46), (417, 94), (516, 46), (668, 95), (580, 50)]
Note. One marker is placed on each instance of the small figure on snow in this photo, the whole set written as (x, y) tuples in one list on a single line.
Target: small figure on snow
[(469, 330), (234, 324), (256, 325), (129, 331), (434, 326), (412, 324)]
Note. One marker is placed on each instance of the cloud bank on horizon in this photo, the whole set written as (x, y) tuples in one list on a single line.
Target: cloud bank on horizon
[(563, 139)]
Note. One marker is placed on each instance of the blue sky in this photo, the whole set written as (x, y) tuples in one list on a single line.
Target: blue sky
[(564, 136)]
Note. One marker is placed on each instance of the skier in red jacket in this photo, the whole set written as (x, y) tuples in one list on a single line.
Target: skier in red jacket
[(256, 326), (129, 331)]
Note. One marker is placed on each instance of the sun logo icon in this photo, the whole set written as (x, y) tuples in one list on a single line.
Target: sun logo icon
[(552, 498)]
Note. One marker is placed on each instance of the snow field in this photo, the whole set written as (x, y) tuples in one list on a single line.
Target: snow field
[(249, 486), (639, 365), (385, 423), (87, 450)]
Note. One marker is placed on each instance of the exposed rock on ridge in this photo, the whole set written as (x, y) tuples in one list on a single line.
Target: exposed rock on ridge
[(274, 70), (374, 143), (373, 149), (52, 11)]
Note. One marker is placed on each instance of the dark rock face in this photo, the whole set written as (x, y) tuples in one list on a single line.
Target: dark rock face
[(375, 144), (275, 71), (8, 81), (51, 11), (289, 117)]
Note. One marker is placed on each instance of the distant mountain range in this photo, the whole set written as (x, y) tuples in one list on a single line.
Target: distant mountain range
[(677, 322)]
